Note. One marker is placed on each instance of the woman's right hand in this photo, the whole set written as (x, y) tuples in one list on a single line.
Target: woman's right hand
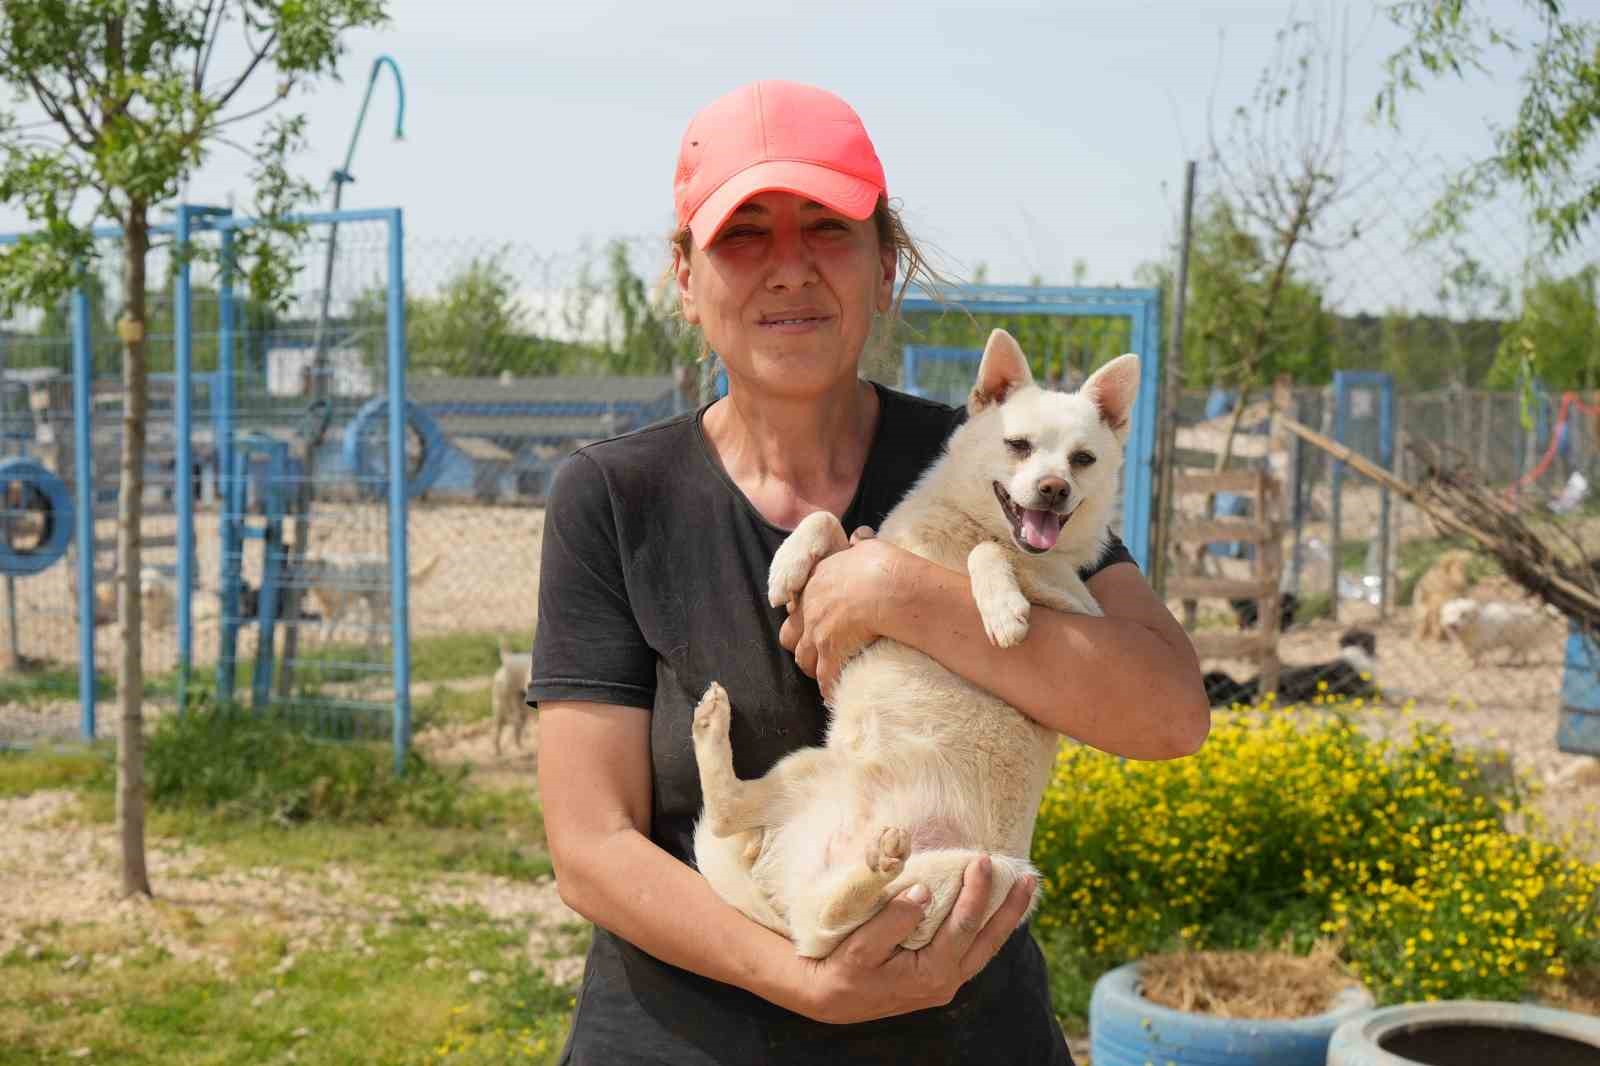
[(869, 975)]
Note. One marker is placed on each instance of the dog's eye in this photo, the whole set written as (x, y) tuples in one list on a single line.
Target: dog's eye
[(1082, 458), (1021, 447)]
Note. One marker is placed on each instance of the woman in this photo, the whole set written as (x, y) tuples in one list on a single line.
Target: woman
[(652, 585)]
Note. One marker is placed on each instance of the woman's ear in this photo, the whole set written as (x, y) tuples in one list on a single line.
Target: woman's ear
[(680, 270)]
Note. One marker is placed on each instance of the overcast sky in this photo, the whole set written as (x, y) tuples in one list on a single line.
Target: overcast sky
[(1023, 136)]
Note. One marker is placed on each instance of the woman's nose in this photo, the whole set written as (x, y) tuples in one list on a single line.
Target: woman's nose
[(792, 265)]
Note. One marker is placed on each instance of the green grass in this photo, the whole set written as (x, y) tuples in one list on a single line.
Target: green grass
[(411, 999)]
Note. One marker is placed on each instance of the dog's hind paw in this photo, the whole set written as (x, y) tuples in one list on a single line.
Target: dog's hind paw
[(712, 714), (887, 854)]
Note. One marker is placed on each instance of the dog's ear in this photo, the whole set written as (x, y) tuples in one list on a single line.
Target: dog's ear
[(1113, 388), (1002, 371)]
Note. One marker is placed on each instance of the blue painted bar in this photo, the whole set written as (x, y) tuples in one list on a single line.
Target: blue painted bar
[(229, 224), (82, 443), (183, 365), (1579, 731), (399, 570), (232, 486)]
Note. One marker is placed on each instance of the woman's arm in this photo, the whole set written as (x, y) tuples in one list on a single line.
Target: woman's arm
[(1128, 683), (594, 784)]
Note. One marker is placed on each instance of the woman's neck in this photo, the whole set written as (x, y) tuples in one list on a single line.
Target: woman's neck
[(793, 457)]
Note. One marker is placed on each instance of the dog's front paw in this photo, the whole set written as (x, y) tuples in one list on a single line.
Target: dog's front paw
[(712, 714), (817, 536), (1005, 615)]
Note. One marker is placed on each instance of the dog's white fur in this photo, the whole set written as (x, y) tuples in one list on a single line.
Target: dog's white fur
[(1481, 626), (335, 586), (923, 771), (507, 693)]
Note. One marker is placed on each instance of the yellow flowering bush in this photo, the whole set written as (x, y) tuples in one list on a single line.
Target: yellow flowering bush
[(1285, 825)]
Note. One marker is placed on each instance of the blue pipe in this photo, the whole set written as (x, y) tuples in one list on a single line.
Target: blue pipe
[(230, 566), (183, 364), (399, 571), (82, 439)]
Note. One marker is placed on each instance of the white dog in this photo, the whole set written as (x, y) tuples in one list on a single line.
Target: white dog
[(1481, 626), (923, 771), (335, 586), (508, 693)]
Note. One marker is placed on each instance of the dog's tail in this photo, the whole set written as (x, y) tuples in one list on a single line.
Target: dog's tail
[(425, 571)]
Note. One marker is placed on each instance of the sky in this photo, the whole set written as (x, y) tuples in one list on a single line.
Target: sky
[(1023, 136)]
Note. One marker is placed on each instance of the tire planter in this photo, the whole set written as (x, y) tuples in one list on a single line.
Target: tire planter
[(1466, 1032), (58, 515), (1125, 1029), (368, 468)]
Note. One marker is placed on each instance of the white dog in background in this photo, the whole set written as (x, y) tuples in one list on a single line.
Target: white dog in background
[(1481, 626), (508, 693), (335, 586), (922, 771)]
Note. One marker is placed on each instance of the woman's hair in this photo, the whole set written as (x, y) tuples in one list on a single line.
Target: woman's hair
[(910, 262)]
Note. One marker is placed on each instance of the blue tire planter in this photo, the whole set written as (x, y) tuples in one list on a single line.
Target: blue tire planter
[(368, 468), (58, 523), (1125, 1029), (1466, 1031)]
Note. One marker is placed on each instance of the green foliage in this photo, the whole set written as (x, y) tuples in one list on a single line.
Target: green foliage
[(22, 773), (259, 766), (1547, 151), (125, 89), (1558, 336), (1288, 827)]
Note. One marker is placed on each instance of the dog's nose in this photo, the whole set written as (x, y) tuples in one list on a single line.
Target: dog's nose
[(1053, 489)]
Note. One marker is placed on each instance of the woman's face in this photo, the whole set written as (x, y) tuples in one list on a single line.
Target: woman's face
[(785, 293)]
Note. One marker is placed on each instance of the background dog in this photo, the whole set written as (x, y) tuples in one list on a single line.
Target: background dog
[(1353, 674), (1481, 626), (1445, 580), (334, 587), (508, 693)]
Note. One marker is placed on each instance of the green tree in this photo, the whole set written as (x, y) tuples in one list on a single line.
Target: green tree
[(1556, 337), (1548, 149), (131, 108), (643, 334)]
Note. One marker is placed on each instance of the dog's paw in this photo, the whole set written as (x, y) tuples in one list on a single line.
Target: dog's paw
[(887, 854), (1005, 615), (711, 714), (817, 536)]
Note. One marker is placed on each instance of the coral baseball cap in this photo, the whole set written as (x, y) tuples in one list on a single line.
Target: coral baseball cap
[(774, 136)]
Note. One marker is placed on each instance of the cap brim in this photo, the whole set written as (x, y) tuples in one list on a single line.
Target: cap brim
[(850, 196)]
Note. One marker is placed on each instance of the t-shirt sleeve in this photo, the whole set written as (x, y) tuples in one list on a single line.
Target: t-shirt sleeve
[(588, 645), (1115, 552)]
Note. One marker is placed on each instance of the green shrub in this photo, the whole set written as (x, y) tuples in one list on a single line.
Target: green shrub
[(1288, 827), (239, 763)]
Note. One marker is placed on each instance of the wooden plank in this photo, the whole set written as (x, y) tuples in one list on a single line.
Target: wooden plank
[(1222, 588), (1232, 645), (1185, 483), (1221, 529)]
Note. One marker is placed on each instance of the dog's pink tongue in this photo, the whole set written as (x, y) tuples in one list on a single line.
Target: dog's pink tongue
[(1041, 528)]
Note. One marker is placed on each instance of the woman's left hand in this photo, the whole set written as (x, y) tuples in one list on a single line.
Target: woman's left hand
[(837, 614)]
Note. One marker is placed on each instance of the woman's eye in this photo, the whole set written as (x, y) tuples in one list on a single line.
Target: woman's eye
[(735, 233), (1020, 447), (1082, 458), (834, 224)]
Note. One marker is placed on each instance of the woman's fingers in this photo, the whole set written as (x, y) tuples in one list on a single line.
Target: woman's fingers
[(878, 939), (998, 929)]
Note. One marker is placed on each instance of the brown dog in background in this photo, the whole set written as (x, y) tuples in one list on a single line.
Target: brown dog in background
[(1445, 580)]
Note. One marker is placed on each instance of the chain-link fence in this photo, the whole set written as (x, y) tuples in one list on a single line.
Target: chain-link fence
[(1376, 601)]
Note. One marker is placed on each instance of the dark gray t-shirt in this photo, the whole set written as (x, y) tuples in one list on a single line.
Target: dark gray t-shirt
[(652, 585)]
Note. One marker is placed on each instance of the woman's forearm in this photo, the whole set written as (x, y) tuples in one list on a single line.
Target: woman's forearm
[(1127, 683), (667, 909)]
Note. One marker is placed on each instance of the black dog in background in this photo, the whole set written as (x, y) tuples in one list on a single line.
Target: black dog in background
[(1354, 674), (1248, 611)]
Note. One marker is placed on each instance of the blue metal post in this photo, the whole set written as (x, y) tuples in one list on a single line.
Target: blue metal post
[(183, 364), (399, 570), (908, 370), (1385, 460), (223, 429), (83, 459), (1138, 479)]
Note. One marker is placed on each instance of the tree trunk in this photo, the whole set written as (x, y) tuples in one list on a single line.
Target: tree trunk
[(130, 511)]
